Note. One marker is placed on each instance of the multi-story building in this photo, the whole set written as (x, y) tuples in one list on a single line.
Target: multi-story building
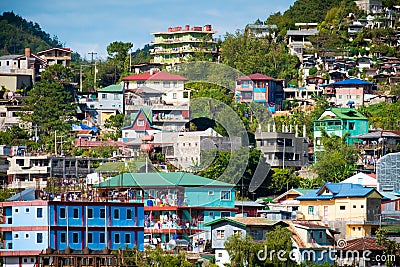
[(31, 171), (161, 96), (102, 104), (370, 6), (348, 93), (338, 122), (179, 44), (351, 209), (283, 149), (177, 204), (38, 227), (261, 89), (223, 228), (298, 39), (56, 55), (388, 172)]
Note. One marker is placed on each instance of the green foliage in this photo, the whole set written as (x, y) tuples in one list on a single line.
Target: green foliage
[(6, 193), (392, 247), (279, 239), (114, 124), (14, 136), (242, 250), (384, 115), (16, 34), (337, 161), (283, 179), (258, 55)]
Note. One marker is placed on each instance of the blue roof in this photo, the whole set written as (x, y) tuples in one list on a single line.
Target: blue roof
[(352, 82), (337, 190), (26, 195)]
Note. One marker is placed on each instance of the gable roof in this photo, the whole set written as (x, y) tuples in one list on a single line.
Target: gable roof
[(299, 191), (25, 195), (338, 190), (158, 76), (362, 244), (55, 48), (361, 178), (344, 113), (353, 81), (161, 179), (116, 88), (148, 122), (246, 221), (256, 77)]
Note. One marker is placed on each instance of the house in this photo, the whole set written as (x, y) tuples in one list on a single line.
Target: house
[(312, 242), (348, 93), (179, 44), (223, 228), (176, 203), (248, 208), (139, 127), (287, 201), (388, 172), (370, 6), (40, 227), (283, 149), (298, 39), (56, 55), (162, 94), (104, 103), (338, 122), (30, 171), (351, 209), (260, 31), (261, 89), (364, 63), (362, 179)]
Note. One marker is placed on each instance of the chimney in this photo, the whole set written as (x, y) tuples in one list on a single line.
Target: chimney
[(28, 52), (187, 27)]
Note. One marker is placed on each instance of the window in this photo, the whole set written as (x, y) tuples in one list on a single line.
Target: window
[(127, 238), (116, 214), (75, 238), (62, 213), (129, 214), (310, 209), (116, 238), (320, 234), (220, 255), (340, 96), (39, 238), (27, 210), (102, 238), (342, 207), (354, 206), (140, 122), (90, 214), (210, 193), (103, 96), (351, 125), (16, 235), (90, 238), (174, 96), (16, 211), (166, 84), (76, 213), (39, 213), (362, 206), (226, 195), (220, 234), (63, 237), (354, 228), (102, 213), (175, 83), (26, 236), (237, 232), (116, 96), (359, 228), (225, 214)]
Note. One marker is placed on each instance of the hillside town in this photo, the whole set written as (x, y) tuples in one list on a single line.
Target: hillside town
[(188, 159)]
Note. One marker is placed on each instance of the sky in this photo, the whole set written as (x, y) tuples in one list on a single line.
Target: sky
[(91, 25)]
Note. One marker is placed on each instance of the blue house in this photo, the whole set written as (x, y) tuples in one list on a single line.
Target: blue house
[(177, 204), (30, 227)]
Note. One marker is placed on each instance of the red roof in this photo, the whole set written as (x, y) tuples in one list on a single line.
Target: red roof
[(256, 77), (158, 76), (361, 244)]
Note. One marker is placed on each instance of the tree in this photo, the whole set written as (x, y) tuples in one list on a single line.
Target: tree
[(337, 161), (114, 123), (279, 239), (118, 53), (283, 179), (242, 250), (49, 107), (392, 247)]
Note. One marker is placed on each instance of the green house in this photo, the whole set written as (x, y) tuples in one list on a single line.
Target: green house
[(339, 121)]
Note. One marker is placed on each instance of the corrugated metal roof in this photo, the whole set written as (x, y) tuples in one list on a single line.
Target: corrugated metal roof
[(116, 88), (338, 190), (157, 76), (256, 77), (352, 82), (347, 113), (160, 179)]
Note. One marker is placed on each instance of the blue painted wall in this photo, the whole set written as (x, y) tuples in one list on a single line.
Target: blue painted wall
[(209, 197)]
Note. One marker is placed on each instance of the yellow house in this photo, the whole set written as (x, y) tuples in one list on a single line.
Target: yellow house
[(351, 208)]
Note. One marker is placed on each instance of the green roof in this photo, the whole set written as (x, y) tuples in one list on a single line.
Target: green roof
[(116, 88), (160, 179), (347, 114)]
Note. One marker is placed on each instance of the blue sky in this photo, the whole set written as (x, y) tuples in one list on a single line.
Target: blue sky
[(86, 25)]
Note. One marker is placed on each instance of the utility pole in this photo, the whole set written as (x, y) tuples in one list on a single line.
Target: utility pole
[(92, 53), (94, 81)]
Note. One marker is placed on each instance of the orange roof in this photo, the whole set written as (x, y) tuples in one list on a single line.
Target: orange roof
[(365, 243)]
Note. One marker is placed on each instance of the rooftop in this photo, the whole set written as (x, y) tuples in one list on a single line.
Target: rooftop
[(112, 89), (343, 113), (246, 221), (256, 77), (337, 190), (157, 76)]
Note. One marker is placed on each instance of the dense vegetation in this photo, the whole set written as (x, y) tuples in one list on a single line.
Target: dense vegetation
[(17, 33)]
